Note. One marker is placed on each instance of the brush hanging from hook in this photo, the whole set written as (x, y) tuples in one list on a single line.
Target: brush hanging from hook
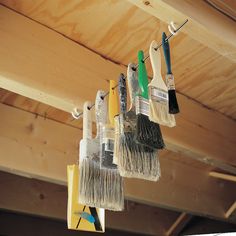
[(173, 29)]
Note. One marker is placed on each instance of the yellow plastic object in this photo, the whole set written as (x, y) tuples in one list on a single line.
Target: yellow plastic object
[(113, 102), (74, 209)]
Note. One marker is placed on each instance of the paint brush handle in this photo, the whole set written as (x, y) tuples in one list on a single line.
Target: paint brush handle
[(155, 58), (113, 102), (87, 120), (142, 75), (122, 93), (166, 50), (100, 110), (133, 85)]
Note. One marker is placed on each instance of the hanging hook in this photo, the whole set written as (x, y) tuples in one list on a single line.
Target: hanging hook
[(76, 114), (172, 28)]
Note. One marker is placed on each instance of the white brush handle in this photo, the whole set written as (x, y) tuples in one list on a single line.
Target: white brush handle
[(87, 121), (100, 110), (155, 58), (133, 85)]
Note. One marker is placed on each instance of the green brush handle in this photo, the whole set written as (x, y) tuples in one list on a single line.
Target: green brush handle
[(122, 93), (166, 50), (142, 76)]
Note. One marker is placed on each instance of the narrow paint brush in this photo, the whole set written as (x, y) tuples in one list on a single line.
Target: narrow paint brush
[(111, 181), (89, 169), (173, 103), (135, 160), (158, 92), (90, 172), (148, 133)]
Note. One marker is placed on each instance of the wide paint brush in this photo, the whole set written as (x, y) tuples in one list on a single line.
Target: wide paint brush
[(148, 133), (135, 160), (158, 92), (111, 181)]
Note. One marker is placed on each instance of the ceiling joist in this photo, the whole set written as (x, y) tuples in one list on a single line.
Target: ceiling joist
[(43, 65), (206, 25), (35, 147)]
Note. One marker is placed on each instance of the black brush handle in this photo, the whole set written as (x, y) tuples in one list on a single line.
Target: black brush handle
[(122, 93)]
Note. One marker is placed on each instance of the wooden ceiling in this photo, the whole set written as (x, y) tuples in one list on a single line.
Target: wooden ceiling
[(116, 30)]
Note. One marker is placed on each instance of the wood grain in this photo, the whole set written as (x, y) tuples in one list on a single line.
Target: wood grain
[(39, 148), (34, 65), (50, 200), (117, 30)]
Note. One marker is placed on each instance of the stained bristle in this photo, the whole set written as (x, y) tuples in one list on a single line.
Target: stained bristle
[(137, 161), (148, 133), (173, 104), (100, 187), (112, 197), (89, 182)]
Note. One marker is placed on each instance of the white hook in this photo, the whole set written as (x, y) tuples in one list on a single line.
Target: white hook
[(75, 113), (172, 28)]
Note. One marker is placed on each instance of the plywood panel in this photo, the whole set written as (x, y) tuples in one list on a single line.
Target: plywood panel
[(117, 30)]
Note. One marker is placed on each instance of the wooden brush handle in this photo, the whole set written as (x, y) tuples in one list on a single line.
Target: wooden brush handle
[(155, 58), (113, 102), (122, 93), (100, 110), (142, 76), (166, 50), (87, 120), (133, 85)]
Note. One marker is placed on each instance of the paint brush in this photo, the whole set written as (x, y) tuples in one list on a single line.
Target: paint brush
[(173, 103), (135, 160), (158, 92), (89, 168), (148, 133), (111, 181), (90, 172)]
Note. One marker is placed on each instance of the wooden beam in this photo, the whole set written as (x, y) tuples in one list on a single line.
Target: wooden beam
[(222, 176), (40, 148), (41, 64), (206, 25), (45, 199), (179, 224), (231, 210)]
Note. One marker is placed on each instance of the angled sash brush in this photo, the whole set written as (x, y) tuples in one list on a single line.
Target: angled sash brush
[(148, 133), (111, 181), (89, 168), (158, 92), (173, 104), (135, 160)]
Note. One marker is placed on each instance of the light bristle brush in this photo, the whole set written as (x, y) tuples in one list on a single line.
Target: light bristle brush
[(158, 92), (111, 181), (89, 168)]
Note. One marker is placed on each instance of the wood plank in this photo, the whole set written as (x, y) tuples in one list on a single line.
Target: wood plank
[(179, 224), (41, 64), (208, 26), (38, 148), (115, 35), (222, 176), (49, 200), (231, 210)]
